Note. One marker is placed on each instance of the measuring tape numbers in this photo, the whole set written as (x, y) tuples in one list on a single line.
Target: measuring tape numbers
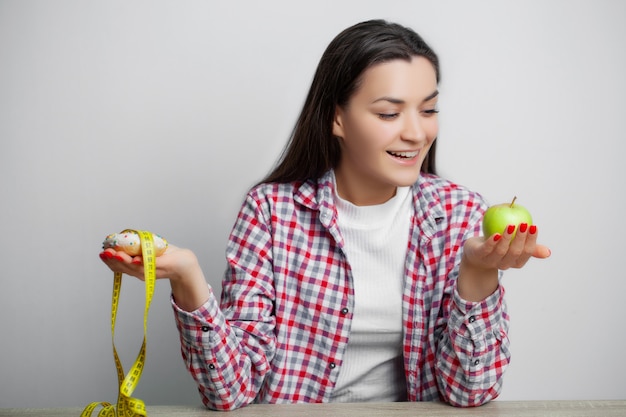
[(126, 405)]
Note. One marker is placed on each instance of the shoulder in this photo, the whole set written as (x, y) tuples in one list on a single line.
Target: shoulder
[(276, 192), (272, 190), (310, 193), (283, 198), (431, 189)]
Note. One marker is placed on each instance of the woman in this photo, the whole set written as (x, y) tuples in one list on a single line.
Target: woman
[(355, 273)]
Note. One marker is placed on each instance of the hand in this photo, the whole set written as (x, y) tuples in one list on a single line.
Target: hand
[(180, 266), (483, 257), (502, 251), (172, 264)]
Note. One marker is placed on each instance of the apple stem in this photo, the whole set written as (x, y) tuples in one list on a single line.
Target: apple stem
[(513, 202)]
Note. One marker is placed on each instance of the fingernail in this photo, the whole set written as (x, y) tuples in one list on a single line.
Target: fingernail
[(510, 229), (523, 227), (533, 229), (497, 237), (137, 261), (119, 258), (106, 255)]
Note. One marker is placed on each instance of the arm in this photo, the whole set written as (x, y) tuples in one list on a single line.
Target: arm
[(473, 349), (227, 349), (474, 345)]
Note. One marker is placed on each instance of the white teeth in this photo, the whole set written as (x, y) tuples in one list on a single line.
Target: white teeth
[(404, 154)]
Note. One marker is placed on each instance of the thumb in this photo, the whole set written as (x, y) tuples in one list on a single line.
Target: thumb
[(542, 252)]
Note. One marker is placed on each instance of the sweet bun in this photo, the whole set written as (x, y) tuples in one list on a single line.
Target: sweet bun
[(128, 241)]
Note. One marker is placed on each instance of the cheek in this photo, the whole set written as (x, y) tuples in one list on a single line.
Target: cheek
[(432, 128), (369, 134)]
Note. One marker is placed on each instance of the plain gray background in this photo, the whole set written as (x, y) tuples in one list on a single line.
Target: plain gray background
[(159, 115)]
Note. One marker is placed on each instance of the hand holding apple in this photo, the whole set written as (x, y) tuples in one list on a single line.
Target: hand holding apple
[(497, 218), (497, 250)]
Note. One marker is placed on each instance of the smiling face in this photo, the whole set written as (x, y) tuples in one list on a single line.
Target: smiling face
[(386, 130)]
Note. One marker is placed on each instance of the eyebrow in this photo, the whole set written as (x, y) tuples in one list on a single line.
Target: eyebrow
[(399, 101)]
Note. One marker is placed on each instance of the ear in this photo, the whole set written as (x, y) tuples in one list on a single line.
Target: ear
[(338, 123)]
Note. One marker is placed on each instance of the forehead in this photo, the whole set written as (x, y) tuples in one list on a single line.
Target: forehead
[(407, 80)]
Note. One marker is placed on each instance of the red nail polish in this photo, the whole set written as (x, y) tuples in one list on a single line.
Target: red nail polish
[(497, 237), (106, 255), (119, 258), (532, 230), (510, 229), (523, 227), (137, 261)]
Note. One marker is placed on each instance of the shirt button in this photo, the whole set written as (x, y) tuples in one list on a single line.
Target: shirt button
[(211, 366), (332, 365), (344, 311), (472, 319), (477, 362), (205, 328)]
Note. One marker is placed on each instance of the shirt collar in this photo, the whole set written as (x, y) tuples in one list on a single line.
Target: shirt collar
[(429, 211)]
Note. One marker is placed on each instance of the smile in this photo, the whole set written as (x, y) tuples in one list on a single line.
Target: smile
[(404, 155)]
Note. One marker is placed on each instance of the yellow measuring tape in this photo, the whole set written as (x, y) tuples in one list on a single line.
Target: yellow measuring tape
[(127, 405)]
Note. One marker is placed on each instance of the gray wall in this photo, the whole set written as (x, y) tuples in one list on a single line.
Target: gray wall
[(159, 115)]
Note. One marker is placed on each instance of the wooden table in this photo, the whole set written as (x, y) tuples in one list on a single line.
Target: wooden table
[(495, 408)]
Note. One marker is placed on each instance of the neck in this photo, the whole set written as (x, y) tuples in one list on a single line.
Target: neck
[(361, 192)]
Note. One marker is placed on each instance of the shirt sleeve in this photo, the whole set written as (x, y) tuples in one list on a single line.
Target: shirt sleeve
[(473, 350), (227, 346)]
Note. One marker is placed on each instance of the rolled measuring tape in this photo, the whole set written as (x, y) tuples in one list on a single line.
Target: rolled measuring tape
[(133, 242)]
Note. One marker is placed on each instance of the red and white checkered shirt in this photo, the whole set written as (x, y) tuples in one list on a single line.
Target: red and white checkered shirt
[(282, 326)]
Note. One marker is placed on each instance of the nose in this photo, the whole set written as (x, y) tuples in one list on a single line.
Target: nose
[(413, 128)]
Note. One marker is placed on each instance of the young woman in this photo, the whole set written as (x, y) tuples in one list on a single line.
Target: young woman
[(354, 272)]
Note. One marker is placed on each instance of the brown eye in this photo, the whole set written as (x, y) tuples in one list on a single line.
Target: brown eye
[(430, 112), (387, 116)]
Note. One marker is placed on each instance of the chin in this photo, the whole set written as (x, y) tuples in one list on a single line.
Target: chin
[(407, 179), (406, 182)]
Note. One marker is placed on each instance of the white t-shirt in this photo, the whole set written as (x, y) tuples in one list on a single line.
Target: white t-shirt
[(376, 239)]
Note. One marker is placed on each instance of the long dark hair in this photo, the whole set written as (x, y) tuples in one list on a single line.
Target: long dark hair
[(312, 150)]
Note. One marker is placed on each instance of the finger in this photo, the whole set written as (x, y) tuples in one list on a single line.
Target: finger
[(492, 242), (110, 257), (510, 255), (497, 245), (111, 254), (522, 247), (106, 255), (505, 243), (542, 252), (119, 261), (519, 238)]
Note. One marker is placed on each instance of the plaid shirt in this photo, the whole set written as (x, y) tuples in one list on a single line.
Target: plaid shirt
[(283, 323)]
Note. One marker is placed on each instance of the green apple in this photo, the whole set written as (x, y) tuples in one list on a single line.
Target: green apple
[(497, 218)]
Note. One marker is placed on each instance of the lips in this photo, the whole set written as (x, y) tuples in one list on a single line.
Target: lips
[(404, 154)]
